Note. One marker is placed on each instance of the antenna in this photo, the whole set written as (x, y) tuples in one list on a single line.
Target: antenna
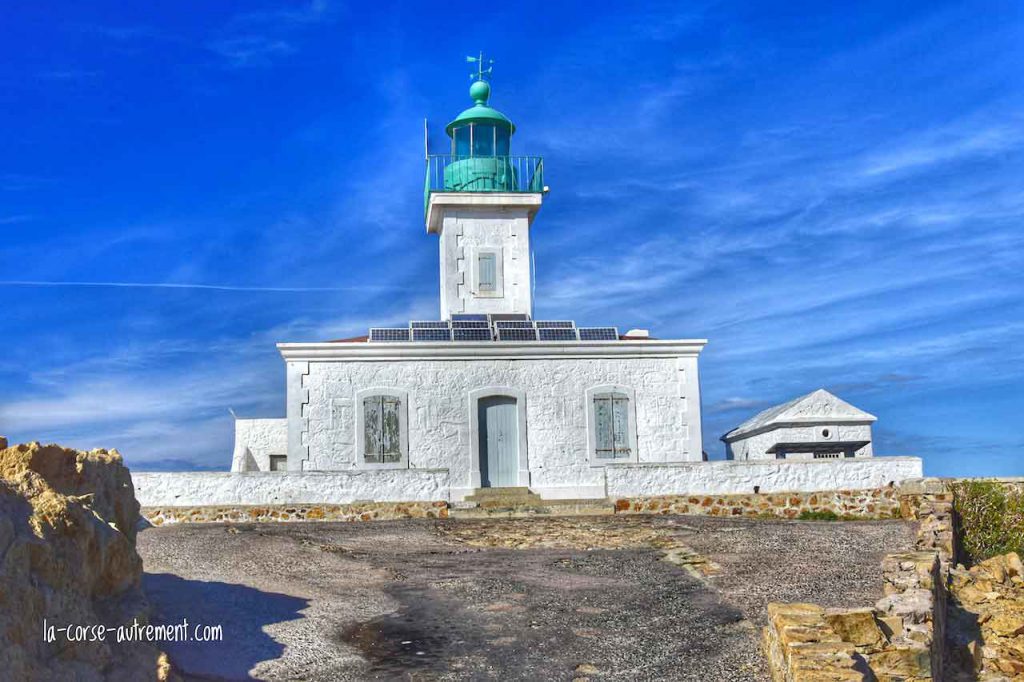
[(426, 147)]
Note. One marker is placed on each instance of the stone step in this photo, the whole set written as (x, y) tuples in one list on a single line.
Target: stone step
[(543, 508), (489, 497)]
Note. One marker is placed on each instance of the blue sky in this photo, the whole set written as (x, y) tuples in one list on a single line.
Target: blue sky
[(832, 193)]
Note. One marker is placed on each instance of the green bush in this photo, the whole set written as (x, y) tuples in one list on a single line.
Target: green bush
[(826, 515), (989, 517)]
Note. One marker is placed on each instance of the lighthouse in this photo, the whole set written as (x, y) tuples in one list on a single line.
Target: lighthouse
[(481, 201)]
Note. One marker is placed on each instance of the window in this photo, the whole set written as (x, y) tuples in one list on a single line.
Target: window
[(827, 455), (461, 141), (611, 425), (486, 267), (279, 462), (612, 429), (488, 272), (501, 141), (382, 429), (483, 140)]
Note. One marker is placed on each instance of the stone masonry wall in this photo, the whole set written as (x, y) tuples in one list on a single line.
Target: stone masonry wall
[(872, 503), (895, 640), (367, 511)]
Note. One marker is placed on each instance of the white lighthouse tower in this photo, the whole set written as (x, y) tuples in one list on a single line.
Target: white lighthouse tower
[(481, 201)]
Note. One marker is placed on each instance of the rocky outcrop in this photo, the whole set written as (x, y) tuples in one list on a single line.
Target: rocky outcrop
[(67, 558), (986, 628)]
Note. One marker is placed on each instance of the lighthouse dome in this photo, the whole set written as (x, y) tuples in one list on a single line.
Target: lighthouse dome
[(481, 112)]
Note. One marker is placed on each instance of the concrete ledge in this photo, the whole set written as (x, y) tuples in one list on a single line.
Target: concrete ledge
[(202, 488), (769, 476)]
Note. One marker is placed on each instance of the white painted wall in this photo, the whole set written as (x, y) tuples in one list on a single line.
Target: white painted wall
[(256, 440), (466, 230), (735, 477), (204, 488), (755, 447), (440, 412), (190, 489)]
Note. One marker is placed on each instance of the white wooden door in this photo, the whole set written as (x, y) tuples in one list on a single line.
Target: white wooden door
[(499, 441)]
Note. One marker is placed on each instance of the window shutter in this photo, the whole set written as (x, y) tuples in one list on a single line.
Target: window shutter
[(372, 430), (603, 433), (391, 430), (620, 425), (487, 274)]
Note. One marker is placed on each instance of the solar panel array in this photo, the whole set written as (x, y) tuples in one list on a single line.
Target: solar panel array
[(599, 334), (556, 334), (496, 327), (516, 334), (382, 334), (431, 334), (460, 334)]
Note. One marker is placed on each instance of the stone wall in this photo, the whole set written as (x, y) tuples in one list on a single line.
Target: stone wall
[(733, 477), (204, 488), (256, 440), (871, 503), (366, 511), (892, 641)]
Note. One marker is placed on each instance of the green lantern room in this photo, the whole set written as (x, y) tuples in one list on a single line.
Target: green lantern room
[(480, 156)]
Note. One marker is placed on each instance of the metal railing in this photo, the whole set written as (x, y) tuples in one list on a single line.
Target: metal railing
[(449, 173)]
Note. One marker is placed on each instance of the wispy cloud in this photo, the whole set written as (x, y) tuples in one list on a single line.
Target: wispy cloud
[(736, 405), (211, 287), (251, 50), (943, 146), (15, 219), (259, 38), (68, 75)]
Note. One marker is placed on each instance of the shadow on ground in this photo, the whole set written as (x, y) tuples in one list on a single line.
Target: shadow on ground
[(242, 612)]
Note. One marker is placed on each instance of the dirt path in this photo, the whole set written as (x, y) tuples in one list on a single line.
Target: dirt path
[(538, 599)]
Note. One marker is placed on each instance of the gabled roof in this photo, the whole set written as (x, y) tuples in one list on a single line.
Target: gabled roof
[(817, 407)]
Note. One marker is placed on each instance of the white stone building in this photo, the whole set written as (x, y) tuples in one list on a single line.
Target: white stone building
[(814, 426), (486, 396), (486, 393)]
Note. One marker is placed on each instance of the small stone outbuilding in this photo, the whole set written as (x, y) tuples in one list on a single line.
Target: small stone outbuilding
[(814, 426)]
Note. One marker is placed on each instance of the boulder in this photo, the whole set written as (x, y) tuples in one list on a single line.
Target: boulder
[(67, 523)]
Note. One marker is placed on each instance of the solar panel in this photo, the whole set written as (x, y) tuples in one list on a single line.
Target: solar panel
[(471, 324), (555, 324), (557, 334), (513, 324), (460, 334), (383, 334), (509, 316), (432, 334), (599, 334), (469, 317), (429, 324), (514, 334)]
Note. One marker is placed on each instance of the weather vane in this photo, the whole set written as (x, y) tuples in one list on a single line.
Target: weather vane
[(480, 62)]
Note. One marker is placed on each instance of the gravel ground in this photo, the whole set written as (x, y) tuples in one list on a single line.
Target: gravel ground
[(419, 600)]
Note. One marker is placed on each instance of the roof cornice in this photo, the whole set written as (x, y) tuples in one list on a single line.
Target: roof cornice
[(823, 420), (438, 201), (492, 350)]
